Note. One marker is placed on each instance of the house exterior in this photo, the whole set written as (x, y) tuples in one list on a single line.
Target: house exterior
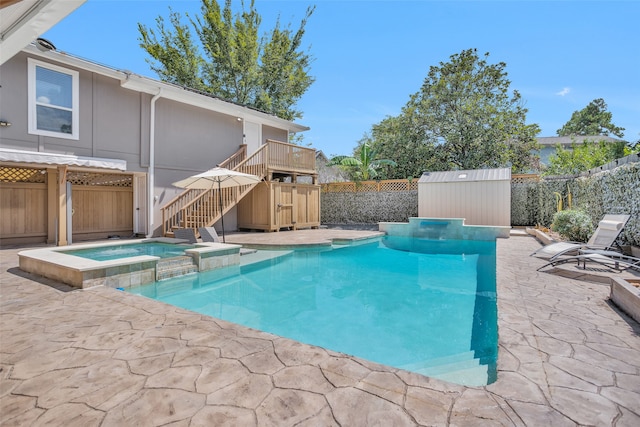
[(548, 144), (87, 151)]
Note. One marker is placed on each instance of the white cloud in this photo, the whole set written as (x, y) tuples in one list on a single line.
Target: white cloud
[(564, 91)]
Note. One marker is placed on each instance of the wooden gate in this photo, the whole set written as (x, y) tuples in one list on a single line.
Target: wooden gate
[(283, 199), (100, 212), (102, 205), (307, 205)]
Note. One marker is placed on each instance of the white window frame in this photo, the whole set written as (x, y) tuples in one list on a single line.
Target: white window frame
[(33, 103)]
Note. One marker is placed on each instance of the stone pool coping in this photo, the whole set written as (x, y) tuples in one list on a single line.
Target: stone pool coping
[(55, 263), (98, 356)]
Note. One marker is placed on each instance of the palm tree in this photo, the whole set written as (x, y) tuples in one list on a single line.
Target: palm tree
[(365, 166)]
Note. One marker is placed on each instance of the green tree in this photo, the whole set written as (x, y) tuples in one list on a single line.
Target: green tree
[(463, 117), (269, 73), (364, 164), (594, 119), (178, 57), (400, 139), (467, 112), (584, 156)]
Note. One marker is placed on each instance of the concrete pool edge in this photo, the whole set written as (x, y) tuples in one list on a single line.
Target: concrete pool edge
[(55, 263)]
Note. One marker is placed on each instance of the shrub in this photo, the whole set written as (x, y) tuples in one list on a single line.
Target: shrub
[(573, 225)]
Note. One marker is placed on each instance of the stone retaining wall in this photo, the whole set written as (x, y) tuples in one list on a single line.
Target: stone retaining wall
[(368, 207)]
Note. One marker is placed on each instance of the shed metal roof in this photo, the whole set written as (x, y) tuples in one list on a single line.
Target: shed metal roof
[(502, 174)]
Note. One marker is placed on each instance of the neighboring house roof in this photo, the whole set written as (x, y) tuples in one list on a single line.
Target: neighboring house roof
[(321, 156), (23, 21), (170, 91), (566, 141)]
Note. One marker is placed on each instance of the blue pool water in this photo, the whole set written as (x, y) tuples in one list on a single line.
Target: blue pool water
[(426, 306), (105, 253)]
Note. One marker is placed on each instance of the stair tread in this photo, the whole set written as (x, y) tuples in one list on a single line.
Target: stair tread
[(168, 268)]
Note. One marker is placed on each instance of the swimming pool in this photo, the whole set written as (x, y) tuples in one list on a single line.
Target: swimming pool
[(428, 306), (105, 253)]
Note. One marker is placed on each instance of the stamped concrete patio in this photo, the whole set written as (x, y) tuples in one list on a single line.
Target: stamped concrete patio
[(108, 358)]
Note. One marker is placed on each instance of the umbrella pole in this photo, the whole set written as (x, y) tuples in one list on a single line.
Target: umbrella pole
[(221, 214)]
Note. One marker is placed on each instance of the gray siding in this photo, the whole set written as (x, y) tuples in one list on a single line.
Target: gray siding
[(110, 117), (193, 139), (13, 105), (269, 132), (114, 123)]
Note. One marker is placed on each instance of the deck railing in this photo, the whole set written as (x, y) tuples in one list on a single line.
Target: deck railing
[(236, 158), (287, 157)]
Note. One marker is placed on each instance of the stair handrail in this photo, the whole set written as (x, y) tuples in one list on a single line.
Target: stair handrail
[(176, 216), (240, 153)]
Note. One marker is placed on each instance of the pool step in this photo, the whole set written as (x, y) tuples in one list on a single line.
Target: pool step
[(474, 376), (463, 357), (460, 368), (173, 267)]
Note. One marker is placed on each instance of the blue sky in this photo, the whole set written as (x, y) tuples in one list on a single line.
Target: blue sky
[(370, 56)]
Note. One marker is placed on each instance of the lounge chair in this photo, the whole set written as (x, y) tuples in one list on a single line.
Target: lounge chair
[(610, 259), (185, 234), (609, 228), (209, 234)]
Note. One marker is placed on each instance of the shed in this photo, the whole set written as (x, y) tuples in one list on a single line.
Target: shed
[(481, 197)]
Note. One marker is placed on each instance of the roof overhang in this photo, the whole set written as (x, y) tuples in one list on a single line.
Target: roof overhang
[(170, 91), (40, 158), (23, 21), (180, 94)]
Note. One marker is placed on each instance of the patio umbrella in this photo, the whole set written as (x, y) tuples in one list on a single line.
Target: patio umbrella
[(217, 178)]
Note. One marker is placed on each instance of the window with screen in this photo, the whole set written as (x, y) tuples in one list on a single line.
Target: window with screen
[(53, 100)]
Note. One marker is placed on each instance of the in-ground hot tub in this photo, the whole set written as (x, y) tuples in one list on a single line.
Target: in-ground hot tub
[(124, 264)]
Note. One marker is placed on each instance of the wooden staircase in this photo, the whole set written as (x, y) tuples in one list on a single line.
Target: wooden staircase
[(201, 208)]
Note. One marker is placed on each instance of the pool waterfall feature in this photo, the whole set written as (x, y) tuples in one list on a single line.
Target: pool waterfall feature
[(60, 264)]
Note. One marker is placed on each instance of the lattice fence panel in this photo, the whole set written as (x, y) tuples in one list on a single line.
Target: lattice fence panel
[(339, 187), (9, 174), (398, 185), (367, 186), (524, 178), (100, 179), (370, 186)]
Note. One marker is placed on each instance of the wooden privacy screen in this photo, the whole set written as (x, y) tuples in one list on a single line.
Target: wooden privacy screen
[(23, 209), (99, 211)]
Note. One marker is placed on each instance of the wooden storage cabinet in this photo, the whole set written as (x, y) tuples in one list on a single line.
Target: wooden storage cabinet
[(272, 206)]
